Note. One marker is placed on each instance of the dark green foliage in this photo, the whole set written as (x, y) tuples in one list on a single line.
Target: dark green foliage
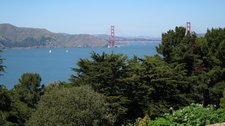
[(209, 66), (178, 48), (75, 106), (222, 100), (201, 58), (134, 87), (193, 115), (119, 79), (1, 66), (137, 91), (12, 110), (5, 105), (170, 41), (17, 105), (216, 44), (29, 89), (106, 74), (214, 38), (5, 99), (156, 86)]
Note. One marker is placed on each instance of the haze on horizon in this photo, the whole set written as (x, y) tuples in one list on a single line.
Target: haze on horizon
[(130, 17)]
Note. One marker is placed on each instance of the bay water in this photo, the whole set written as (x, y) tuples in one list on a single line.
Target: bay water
[(56, 65)]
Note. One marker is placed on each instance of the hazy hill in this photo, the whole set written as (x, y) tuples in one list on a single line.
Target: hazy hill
[(12, 36)]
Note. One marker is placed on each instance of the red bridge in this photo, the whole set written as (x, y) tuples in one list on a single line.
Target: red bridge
[(112, 40)]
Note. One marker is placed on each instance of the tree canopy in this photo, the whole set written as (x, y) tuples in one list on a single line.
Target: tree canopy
[(71, 106), (112, 89), (29, 88), (1, 64), (134, 87), (201, 58)]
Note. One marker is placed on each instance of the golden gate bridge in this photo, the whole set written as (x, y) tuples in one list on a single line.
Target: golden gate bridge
[(112, 39)]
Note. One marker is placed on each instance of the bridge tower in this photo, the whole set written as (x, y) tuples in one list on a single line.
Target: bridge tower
[(188, 27), (111, 42)]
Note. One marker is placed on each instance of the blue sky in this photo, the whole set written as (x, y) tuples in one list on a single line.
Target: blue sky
[(130, 17)]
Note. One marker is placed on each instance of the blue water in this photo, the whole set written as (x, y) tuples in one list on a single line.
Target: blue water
[(56, 66)]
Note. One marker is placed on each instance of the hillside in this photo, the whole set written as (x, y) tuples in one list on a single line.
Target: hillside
[(12, 36)]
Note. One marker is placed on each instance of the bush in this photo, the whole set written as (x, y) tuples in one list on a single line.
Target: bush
[(194, 115), (79, 106)]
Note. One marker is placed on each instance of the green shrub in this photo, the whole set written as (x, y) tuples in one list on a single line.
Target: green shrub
[(193, 115), (75, 106)]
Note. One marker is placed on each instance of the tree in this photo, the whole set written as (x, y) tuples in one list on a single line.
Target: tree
[(178, 48), (189, 71), (211, 85), (119, 79), (12, 110), (17, 104), (1, 66), (106, 74), (170, 40), (137, 90), (222, 100), (134, 87), (29, 89), (201, 58), (71, 106), (6, 100), (211, 66), (168, 85), (5, 104)]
